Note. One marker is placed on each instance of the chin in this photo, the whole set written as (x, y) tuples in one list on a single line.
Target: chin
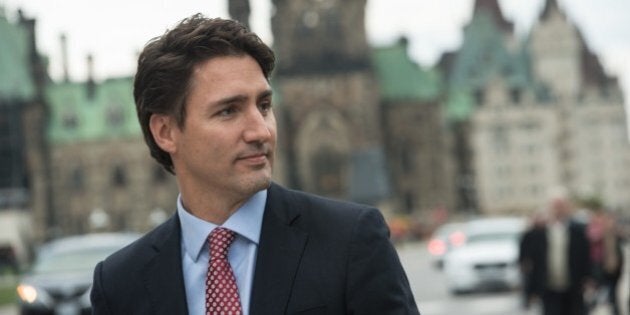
[(264, 183), (254, 185)]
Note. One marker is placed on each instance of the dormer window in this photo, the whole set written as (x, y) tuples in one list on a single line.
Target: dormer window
[(115, 116), (77, 179), (69, 120), (480, 96), (119, 176)]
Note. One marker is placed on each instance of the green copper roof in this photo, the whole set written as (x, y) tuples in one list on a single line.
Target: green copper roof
[(75, 116), (483, 56), (459, 105), (16, 82), (402, 79)]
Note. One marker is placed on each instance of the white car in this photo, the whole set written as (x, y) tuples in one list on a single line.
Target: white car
[(489, 257)]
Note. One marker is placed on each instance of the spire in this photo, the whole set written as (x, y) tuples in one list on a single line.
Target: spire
[(64, 57), (550, 5), (492, 7), (91, 85)]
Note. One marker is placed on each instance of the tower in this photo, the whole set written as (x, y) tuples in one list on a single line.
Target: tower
[(239, 10), (329, 99)]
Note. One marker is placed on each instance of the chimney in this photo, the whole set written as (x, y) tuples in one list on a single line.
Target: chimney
[(91, 85), (64, 57)]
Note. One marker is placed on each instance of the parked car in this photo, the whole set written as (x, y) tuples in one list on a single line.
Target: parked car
[(60, 279), (445, 238), (489, 257), (15, 237), (8, 258)]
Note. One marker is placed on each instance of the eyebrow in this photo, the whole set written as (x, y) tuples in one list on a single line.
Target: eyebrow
[(240, 98), (265, 94)]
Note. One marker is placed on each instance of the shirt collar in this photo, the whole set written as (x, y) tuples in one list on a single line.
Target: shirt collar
[(246, 222)]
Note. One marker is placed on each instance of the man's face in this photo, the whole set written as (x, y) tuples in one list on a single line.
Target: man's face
[(561, 208), (229, 136)]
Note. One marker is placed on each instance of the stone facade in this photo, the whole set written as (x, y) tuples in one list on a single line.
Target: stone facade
[(116, 180), (567, 128), (24, 167), (419, 162), (102, 176), (515, 152), (417, 140), (330, 118), (487, 52)]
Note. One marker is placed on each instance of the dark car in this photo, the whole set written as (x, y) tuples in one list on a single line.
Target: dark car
[(8, 258), (60, 279)]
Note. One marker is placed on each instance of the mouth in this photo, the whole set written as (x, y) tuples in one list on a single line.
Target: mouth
[(254, 158)]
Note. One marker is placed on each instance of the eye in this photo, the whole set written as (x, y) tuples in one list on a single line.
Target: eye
[(228, 111), (265, 107)]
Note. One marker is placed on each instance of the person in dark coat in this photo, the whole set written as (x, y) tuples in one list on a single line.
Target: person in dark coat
[(560, 264), (525, 257), (606, 255)]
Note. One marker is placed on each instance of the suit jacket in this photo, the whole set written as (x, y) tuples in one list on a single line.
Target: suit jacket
[(578, 261), (315, 256)]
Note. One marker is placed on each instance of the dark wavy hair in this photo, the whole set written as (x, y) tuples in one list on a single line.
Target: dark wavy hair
[(165, 66)]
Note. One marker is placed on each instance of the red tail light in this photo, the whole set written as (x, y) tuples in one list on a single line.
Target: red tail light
[(436, 247)]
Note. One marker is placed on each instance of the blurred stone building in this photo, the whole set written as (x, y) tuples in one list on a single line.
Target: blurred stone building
[(102, 177), (357, 122), (535, 115), (330, 128), (417, 140), (71, 153), (23, 149), (492, 127)]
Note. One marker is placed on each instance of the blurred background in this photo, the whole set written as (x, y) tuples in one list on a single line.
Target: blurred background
[(435, 112)]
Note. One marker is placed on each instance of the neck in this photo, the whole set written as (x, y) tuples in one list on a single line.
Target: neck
[(211, 206)]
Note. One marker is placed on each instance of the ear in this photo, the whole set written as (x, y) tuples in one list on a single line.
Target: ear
[(164, 130)]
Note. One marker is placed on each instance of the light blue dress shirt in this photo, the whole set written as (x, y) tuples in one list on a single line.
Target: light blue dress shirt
[(247, 223)]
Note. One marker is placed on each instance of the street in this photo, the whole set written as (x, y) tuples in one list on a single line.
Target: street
[(433, 298), (430, 291), (429, 288)]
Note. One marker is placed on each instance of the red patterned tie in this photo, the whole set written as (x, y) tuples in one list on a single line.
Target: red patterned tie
[(221, 291)]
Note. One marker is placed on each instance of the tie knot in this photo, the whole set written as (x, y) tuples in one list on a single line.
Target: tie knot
[(220, 240)]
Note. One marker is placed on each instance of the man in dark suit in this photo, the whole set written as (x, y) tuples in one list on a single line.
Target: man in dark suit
[(560, 262), (527, 248), (238, 243)]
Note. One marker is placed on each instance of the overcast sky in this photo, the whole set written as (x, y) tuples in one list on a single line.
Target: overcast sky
[(115, 30)]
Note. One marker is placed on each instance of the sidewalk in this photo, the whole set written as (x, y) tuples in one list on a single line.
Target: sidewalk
[(8, 310)]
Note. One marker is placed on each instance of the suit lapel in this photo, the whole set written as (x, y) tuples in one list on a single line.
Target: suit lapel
[(163, 272), (279, 253)]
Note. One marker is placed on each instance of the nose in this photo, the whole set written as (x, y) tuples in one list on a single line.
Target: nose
[(257, 126)]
